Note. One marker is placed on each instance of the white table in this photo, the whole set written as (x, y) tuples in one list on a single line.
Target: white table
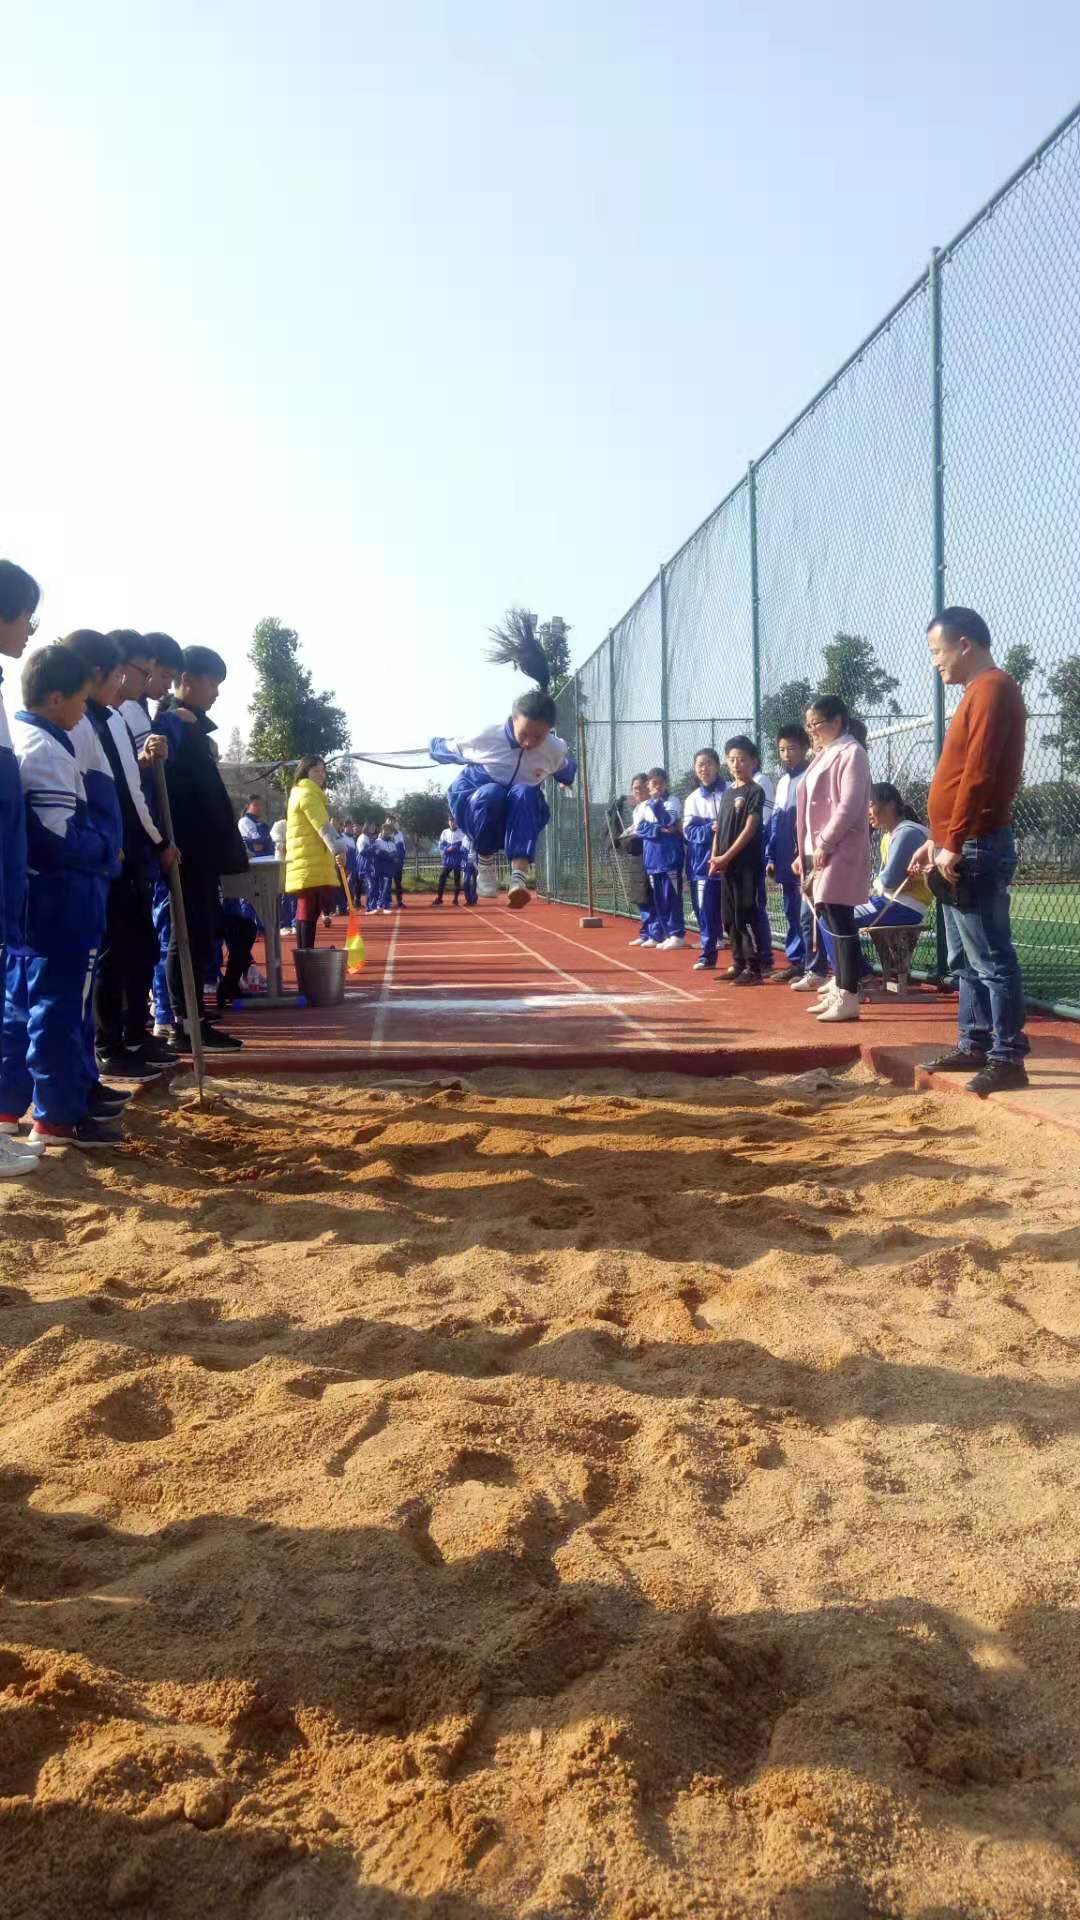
[(263, 884)]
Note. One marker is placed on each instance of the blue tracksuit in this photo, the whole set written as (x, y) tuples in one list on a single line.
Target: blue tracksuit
[(383, 862), (50, 971), (780, 851), (699, 819), (103, 812), (662, 857), (12, 852), (468, 871), (498, 797)]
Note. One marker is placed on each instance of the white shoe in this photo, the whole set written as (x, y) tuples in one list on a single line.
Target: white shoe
[(825, 999), (674, 940), (13, 1163), (23, 1147), (844, 1006), (517, 893), (487, 883), (647, 943), (164, 1030), (639, 942), (807, 983)]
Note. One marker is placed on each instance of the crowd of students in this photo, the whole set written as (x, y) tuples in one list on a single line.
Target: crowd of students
[(810, 833), (92, 982)]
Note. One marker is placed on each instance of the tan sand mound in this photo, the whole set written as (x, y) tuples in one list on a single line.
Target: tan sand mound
[(431, 1501)]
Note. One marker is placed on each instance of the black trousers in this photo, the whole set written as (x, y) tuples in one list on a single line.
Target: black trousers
[(125, 970), (840, 922), (239, 934), (201, 891), (444, 877)]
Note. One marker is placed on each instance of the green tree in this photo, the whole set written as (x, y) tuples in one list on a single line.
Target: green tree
[(784, 708), (851, 668), (288, 717), (350, 795), (1021, 663), (235, 750), (422, 815), (554, 638), (1063, 686)]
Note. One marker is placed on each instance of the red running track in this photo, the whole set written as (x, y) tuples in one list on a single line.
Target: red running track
[(458, 989)]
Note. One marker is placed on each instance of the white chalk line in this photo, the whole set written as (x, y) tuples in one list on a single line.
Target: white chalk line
[(383, 1006), (582, 985)]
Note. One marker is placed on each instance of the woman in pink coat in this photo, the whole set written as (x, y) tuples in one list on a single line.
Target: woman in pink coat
[(832, 813)]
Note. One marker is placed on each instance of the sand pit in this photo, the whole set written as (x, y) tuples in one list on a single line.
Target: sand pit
[(429, 1503)]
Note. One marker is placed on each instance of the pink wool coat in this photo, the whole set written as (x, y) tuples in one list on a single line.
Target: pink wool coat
[(837, 805)]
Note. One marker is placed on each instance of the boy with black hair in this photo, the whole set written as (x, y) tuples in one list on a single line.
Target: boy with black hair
[(701, 811), (658, 824), (207, 837), (739, 861), (69, 860), (793, 752), (129, 944), (19, 597)]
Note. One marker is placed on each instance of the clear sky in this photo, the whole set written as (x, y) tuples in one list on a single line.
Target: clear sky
[(382, 317)]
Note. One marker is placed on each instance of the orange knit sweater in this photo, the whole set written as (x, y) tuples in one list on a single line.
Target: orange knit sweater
[(976, 779)]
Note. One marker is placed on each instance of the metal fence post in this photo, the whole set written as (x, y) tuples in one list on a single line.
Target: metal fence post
[(613, 774), (665, 724), (755, 602), (937, 430)]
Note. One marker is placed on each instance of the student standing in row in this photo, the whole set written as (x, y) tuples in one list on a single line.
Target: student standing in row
[(658, 825), (833, 809), (19, 597), (451, 846), (792, 747), (631, 848), (700, 814), (739, 862)]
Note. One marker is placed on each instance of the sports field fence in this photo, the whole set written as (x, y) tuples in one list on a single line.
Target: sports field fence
[(940, 464)]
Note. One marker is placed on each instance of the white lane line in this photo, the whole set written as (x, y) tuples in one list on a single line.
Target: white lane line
[(583, 985), (466, 986), (609, 960), (383, 1005)]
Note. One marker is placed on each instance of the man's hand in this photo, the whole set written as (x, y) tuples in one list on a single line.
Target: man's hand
[(922, 861), (946, 863), (167, 858), (717, 864), (821, 858), (770, 869), (796, 867), (154, 747)]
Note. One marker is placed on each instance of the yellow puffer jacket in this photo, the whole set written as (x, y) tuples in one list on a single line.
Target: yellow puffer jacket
[(308, 860)]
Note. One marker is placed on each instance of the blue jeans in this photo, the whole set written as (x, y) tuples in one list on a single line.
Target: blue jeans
[(982, 955)]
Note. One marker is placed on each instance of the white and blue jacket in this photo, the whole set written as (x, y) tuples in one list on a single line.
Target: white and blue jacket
[(451, 846), (69, 860), (504, 762), (781, 834), (12, 839), (102, 800), (660, 852), (700, 811)]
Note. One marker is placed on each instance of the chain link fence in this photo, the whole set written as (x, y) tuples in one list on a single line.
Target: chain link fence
[(941, 464)]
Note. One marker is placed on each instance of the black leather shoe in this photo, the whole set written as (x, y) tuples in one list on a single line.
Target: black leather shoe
[(956, 1062), (999, 1076)]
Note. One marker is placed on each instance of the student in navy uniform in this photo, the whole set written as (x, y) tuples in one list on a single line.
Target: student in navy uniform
[(469, 869), (98, 658), (451, 845), (207, 838), (764, 926), (256, 834), (740, 861), (384, 857), (399, 860), (700, 814), (19, 597), (631, 848), (365, 863), (793, 749), (658, 825), (69, 861)]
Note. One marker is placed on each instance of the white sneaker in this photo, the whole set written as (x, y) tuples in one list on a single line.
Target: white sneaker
[(23, 1147), (517, 893), (825, 999), (807, 983), (13, 1163), (674, 940), (487, 883), (844, 1006), (647, 943), (164, 1031), (639, 942)]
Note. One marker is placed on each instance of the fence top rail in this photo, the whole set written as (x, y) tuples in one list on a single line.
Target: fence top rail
[(1029, 165)]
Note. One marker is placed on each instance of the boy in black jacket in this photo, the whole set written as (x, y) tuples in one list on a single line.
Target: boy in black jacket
[(206, 834)]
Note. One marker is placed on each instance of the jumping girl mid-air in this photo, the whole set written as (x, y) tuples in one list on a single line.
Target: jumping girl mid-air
[(497, 799)]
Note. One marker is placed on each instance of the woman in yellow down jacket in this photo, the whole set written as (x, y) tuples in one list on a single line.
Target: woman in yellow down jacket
[(310, 847)]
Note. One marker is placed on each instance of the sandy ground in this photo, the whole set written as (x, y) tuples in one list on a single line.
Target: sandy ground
[(419, 1504)]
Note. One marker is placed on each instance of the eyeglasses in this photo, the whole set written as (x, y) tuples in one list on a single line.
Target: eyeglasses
[(133, 666)]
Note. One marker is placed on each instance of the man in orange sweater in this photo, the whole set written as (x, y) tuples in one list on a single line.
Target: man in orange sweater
[(972, 847)]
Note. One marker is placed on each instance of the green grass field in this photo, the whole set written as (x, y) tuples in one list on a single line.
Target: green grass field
[(1045, 918)]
